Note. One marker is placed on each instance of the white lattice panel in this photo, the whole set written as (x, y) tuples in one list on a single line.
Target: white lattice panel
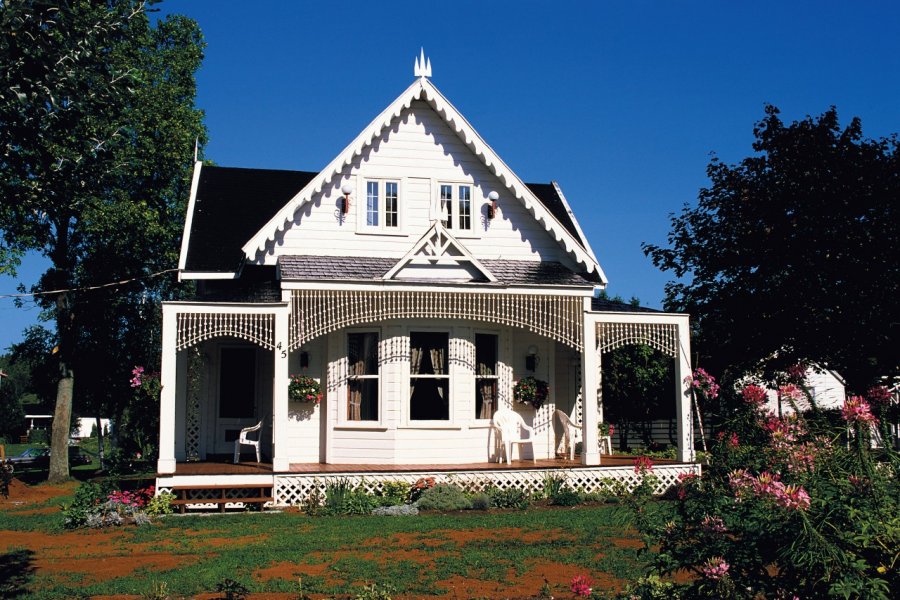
[(296, 489), (317, 312)]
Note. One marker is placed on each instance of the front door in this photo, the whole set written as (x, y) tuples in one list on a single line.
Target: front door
[(237, 403)]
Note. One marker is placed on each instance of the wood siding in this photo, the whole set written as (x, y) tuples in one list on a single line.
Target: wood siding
[(419, 151)]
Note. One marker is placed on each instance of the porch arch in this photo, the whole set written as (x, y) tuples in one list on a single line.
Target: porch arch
[(255, 327), (318, 312)]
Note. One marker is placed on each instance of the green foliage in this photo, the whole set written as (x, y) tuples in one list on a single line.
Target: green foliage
[(792, 506), (159, 590), (807, 216), (88, 497), (6, 477), (160, 504), (374, 591), (394, 493), (509, 498), (444, 497), (565, 496), (481, 501), (553, 484), (342, 499), (38, 437), (99, 126), (232, 590)]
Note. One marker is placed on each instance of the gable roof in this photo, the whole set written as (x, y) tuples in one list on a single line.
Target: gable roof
[(422, 88), (227, 206), (374, 268)]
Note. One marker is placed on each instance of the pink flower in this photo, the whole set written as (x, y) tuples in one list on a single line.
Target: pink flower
[(643, 464), (790, 392), (797, 373), (754, 395), (714, 568), (857, 410), (713, 525), (136, 373), (878, 395), (793, 497), (581, 586)]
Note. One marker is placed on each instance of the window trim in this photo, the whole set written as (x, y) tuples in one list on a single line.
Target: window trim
[(362, 203), (475, 377), (454, 208), (407, 422), (343, 421)]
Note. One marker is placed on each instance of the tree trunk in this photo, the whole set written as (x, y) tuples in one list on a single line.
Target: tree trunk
[(62, 423), (100, 452)]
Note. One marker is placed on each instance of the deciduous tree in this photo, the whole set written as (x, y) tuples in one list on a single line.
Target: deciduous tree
[(97, 129), (793, 252)]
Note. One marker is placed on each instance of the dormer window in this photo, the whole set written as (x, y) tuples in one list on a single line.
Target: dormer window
[(456, 206), (382, 209)]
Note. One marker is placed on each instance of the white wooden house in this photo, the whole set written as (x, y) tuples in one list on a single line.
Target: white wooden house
[(417, 277)]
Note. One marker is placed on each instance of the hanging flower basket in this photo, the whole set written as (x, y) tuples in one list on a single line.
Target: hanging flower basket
[(530, 390), (304, 388)]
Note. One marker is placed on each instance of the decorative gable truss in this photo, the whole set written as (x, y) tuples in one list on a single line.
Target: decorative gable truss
[(423, 89), (442, 257)]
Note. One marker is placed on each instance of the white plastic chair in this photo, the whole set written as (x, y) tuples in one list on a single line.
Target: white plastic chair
[(510, 426), (571, 433), (243, 440)]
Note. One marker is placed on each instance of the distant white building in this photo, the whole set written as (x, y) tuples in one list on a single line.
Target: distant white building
[(827, 388)]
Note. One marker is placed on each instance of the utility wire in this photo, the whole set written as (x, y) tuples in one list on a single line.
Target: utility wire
[(87, 288)]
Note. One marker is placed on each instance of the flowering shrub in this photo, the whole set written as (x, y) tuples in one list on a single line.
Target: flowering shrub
[(304, 388), (530, 390), (581, 586), (703, 384), (606, 429), (788, 507), (139, 424), (642, 465)]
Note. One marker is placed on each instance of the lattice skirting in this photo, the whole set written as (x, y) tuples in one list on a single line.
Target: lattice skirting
[(296, 489), (201, 495)]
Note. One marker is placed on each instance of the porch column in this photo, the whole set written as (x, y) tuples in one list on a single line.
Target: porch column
[(167, 376), (683, 408), (590, 382), (280, 461)]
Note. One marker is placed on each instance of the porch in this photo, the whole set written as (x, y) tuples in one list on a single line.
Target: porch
[(295, 486)]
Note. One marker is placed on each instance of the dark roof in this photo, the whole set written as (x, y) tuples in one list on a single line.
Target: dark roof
[(607, 305), (232, 204), (550, 198), (510, 272), (255, 284), (230, 207)]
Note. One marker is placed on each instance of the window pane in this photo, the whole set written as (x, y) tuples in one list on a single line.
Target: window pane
[(485, 375), (372, 203), (429, 384), (390, 204), (362, 388), (447, 203), (362, 404), (237, 383), (465, 207)]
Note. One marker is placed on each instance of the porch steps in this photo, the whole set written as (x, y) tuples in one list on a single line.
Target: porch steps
[(202, 496)]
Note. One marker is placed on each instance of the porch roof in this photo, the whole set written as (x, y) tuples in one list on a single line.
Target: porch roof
[(507, 272)]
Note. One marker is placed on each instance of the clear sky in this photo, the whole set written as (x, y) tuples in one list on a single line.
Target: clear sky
[(620, 102)]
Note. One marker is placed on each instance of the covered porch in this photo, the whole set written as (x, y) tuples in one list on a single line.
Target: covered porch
[(300, 440)]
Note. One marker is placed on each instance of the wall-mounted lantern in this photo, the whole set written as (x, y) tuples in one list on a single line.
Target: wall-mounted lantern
[(492, 207), (532, 360), (347, 189)]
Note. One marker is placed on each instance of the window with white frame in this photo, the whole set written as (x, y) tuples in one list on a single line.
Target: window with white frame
[(382, 209), (362, 380), (486, 375), (456, 206), (429, 376)]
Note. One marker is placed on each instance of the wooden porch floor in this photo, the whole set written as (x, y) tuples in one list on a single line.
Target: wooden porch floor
[(218, 467)]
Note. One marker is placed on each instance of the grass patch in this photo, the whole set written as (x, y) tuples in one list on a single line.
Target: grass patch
[(266, 552)]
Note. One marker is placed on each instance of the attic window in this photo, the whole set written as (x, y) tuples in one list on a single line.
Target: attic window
[(456, 206), (382, 207)]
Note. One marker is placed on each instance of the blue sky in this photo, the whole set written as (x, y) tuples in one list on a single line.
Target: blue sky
[(620, 102)]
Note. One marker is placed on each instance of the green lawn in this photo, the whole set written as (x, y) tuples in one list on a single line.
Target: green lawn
[(460, 555)]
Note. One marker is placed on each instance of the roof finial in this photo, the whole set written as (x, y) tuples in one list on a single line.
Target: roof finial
[(423, 66)]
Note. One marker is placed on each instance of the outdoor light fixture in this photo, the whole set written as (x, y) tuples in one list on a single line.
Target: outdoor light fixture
[(532, 359), (492, 209), (347, 189)]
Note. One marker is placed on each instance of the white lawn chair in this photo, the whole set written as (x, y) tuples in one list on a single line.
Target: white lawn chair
[(243, 440), (510, 426), (571, 433)]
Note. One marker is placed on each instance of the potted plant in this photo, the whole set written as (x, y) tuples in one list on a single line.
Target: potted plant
[(530, 390), (303, 388)]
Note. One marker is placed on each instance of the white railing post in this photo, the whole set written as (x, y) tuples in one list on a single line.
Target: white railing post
[(590, 383), (683, 394), (168, 378)]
